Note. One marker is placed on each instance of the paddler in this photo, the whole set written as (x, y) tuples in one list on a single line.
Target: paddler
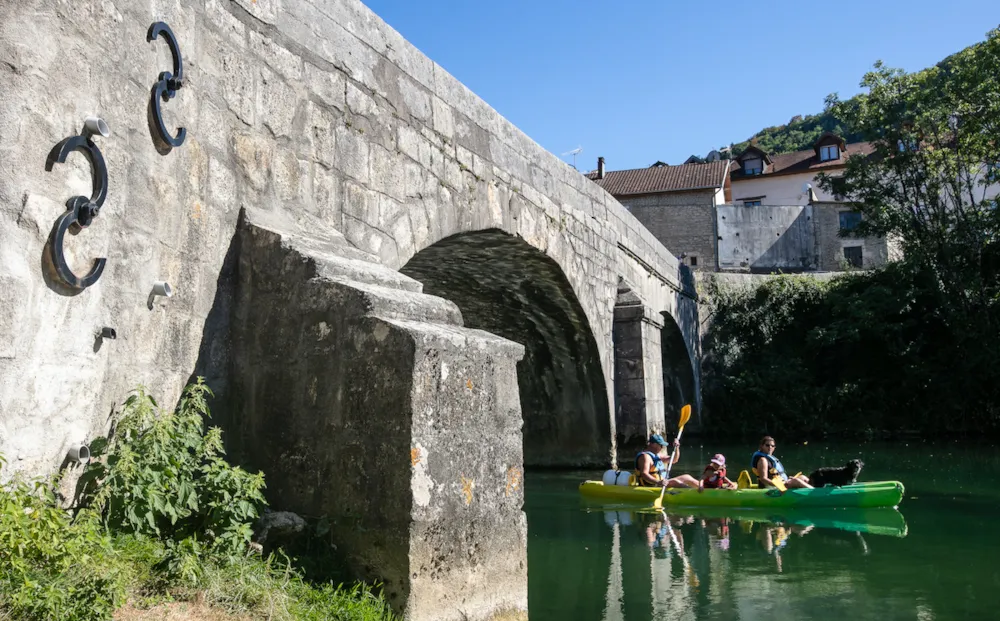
[(651, 468)]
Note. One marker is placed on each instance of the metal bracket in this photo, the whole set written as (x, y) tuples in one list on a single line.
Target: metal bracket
[(169, 83)]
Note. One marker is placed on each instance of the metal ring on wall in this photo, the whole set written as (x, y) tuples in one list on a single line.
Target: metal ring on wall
[(81, 210), (169, 83)]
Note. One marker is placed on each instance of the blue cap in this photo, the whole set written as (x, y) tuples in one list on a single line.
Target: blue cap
[(658, 439)]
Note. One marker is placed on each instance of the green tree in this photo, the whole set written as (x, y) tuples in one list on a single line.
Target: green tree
[(936, 137)]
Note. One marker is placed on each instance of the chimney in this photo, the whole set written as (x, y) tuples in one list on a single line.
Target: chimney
[(600, 168)]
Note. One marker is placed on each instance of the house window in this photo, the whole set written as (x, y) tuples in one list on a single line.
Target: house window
[(751, 203), (694, 260), (852, 254), (849, 220), (753, 166), (829, 152)]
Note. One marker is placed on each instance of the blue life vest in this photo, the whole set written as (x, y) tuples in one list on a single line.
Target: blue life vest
[(775, 466), (661, 468)]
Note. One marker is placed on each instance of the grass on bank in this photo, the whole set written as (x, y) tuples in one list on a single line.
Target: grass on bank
[(161, 519)]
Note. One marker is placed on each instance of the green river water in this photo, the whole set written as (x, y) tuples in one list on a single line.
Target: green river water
[(937, 558)]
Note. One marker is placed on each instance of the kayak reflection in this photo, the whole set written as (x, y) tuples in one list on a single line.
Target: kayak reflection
[(681, 556)]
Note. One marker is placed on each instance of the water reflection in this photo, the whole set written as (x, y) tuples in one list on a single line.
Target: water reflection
[(664, 564), (937, 565)]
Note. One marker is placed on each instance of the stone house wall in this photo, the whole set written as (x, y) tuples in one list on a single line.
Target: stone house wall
[(875, 251), (683, 221)]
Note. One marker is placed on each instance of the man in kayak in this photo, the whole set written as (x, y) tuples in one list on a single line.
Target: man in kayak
[(651, 469), (766, 466)]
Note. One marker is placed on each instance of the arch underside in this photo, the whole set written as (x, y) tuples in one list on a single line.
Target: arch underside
[(505, 286), (679, 386)]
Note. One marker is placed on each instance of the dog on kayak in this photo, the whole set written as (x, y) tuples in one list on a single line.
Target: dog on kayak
[(837, 476)]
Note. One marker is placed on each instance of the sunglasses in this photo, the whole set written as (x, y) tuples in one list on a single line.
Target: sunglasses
[(770, 445)]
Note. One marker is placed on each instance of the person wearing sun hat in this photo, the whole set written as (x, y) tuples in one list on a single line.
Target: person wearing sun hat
[(714, 476)]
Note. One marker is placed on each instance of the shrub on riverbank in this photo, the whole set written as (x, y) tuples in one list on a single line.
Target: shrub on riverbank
[(862, 355), (161, 517)]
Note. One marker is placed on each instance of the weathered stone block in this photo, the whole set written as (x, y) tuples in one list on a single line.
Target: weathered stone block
[(222, 184), (266, 11), (227, 23), (319, 135), (277, 104), (253, 154), (279, 58), (352, 154), (387, 175), (328, 85), (13, 306), (239, 84)]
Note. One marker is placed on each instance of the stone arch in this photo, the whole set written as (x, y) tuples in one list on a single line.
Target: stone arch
[(680, 377), (505, 286)]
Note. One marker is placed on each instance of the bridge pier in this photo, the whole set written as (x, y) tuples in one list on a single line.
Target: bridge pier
[(638, 372), (367, 402)]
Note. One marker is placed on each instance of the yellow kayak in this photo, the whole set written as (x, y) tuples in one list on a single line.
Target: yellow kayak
[(861, 495)]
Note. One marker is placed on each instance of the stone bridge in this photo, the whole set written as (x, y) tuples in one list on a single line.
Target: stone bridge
[(386, 283)]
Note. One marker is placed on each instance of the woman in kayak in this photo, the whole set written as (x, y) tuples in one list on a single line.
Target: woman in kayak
[(714, 476), (767, 467)]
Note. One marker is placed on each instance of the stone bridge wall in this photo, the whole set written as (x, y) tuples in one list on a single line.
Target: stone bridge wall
[(314, 109), (318, 119)]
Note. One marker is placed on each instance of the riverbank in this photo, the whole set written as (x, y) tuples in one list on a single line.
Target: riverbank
[(161, 526)]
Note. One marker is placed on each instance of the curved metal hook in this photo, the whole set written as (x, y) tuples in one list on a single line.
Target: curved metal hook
[(177, 79), (168, 83), (73, 216), (98, 170), (81, 211)]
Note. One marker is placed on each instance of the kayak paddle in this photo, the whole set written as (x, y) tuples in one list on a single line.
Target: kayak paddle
[(685, 416)]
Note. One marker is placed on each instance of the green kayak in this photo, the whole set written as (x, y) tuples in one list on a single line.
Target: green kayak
[(861, 495)]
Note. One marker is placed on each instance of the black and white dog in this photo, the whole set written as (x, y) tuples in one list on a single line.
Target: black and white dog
[(844, 475)]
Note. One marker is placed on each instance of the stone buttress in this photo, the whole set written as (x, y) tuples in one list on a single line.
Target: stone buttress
[(366, 401)]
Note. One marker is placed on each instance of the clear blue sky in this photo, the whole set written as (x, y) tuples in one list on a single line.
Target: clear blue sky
[(640, 80)]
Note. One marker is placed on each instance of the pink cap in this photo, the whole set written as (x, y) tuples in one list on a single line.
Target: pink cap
[(719, 459)]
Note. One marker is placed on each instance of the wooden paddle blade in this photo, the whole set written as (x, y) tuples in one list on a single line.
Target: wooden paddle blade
[(685, 415)]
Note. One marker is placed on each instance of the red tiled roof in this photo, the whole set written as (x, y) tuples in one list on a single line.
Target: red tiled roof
[(805, 161), (658, 179)]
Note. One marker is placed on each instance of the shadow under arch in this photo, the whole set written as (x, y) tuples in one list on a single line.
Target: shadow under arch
[(679, 381), (505, 286)]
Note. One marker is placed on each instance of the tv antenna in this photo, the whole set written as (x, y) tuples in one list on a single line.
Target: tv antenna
[(574, 153)]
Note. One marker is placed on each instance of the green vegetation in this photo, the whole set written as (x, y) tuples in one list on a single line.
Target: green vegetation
[(911, 347), (799, 134), (161, 517)]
